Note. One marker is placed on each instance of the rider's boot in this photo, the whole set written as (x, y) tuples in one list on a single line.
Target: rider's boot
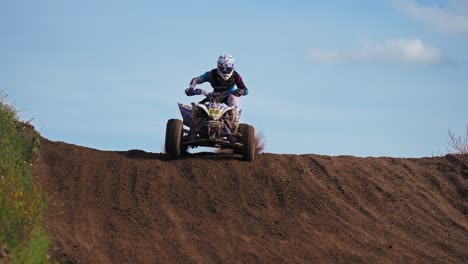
[(235, 126), (235, 121), (233, 101), (193, 122)]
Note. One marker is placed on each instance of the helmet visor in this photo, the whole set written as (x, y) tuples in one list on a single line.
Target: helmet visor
[(225, 70)]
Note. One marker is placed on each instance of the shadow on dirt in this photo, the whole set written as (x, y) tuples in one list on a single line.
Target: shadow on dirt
[(140, 154), (212, 156), (143, 155)]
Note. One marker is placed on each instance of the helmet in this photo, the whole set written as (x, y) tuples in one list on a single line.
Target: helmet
[(225, 66)]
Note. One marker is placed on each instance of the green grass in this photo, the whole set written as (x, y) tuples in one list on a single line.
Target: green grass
[(21, 205)]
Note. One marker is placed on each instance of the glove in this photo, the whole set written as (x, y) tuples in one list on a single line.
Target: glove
[(190, 91), (238, 92)]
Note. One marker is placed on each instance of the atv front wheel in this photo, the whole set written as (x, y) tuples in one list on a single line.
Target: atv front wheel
[(173, 137), (248, 143)]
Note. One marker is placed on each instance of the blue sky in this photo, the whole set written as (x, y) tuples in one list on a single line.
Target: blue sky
[(367, 78)]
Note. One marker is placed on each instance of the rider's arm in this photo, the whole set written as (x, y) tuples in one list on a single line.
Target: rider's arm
[(200, 79), (240, 83)]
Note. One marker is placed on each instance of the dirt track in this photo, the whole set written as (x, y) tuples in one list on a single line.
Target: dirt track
[(138, 207)]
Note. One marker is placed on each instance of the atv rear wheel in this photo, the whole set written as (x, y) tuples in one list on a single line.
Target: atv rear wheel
[(173, 137), (248, 143)]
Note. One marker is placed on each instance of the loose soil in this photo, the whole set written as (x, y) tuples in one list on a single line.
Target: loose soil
[(139, 207)]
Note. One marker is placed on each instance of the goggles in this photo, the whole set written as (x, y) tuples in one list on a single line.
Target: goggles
[(225, 70)]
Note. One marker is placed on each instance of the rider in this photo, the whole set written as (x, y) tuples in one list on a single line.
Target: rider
[(223, 78)]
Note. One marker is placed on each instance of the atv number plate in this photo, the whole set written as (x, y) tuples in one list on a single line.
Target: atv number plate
[(214, 112)]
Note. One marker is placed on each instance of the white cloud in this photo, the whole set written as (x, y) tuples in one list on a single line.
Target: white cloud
[(402, 51), (453, 19)]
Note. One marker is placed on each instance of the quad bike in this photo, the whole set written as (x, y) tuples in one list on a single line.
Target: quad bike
[(209, 123)]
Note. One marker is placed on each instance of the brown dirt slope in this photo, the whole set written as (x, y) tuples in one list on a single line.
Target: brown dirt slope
[(138, 207)]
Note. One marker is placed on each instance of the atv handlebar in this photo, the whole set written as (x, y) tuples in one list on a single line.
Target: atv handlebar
[(215, 96), (205, 93)]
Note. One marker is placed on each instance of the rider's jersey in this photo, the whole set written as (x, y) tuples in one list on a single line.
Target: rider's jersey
[(218, 83)]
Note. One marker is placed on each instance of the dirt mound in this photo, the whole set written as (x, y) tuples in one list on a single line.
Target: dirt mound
[(138, 207)]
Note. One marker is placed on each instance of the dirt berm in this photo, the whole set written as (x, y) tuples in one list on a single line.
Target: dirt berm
[(138, 207)]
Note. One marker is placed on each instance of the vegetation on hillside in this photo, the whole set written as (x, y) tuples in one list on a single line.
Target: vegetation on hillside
[(458, 145), (22, 236)]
